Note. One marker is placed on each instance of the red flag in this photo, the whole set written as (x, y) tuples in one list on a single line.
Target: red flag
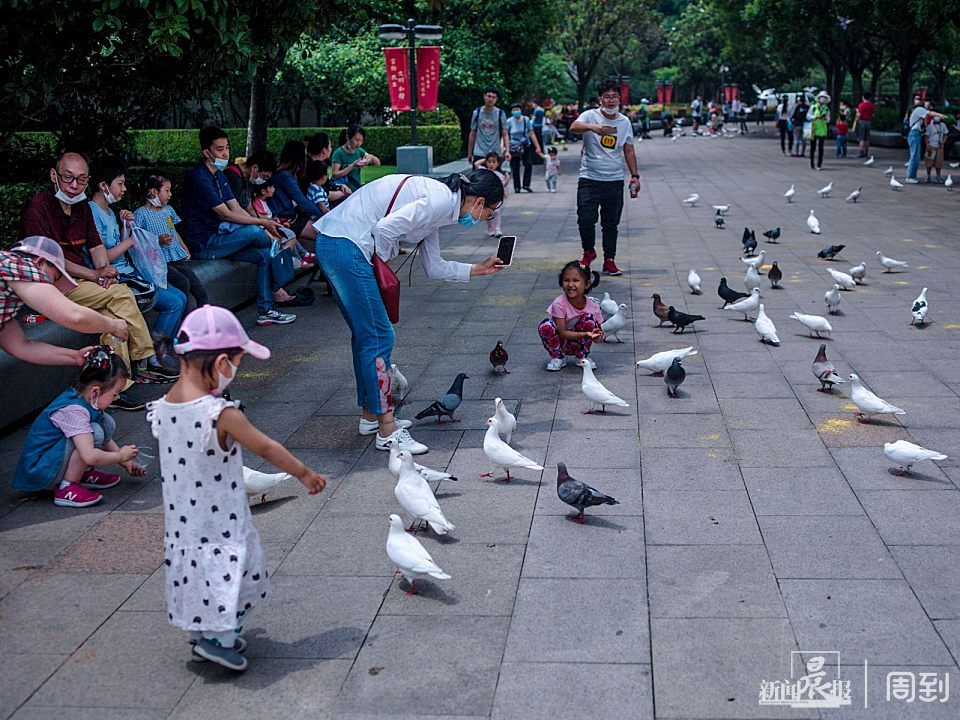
[(668, 92), (428, 76), (398, 77)]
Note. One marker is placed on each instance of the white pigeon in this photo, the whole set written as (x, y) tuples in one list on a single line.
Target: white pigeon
[(789, 194), (854, 196), (954, 164), (693, 280), (755, 262), (858, 272), (260, 483), (659, 362), (765, 327), (501, 454), (813, 223), (889, 171), (814, 323), (596, 393), (608, 305), (825, 191), (415, 496), (905, 454), (890, 263), (746, 305), (410, 557), (428, 474), (615, 323), (842, 279), (721, 209), (833, 298), (506, 422), (868, 403), (948, 183), (869, 161), (692, 200), (894, 183), (398, 386), (919, 309), (751, 279)]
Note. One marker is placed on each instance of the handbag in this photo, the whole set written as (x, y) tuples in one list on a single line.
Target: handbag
[(281, 265), (387, 279)]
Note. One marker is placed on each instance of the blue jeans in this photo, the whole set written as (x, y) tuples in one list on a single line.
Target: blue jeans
[(841, 146), (249, 244), (169, 306), (913, 140), (355, 289)]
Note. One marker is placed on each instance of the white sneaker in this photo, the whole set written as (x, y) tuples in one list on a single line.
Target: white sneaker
[(556, 364), (912, 181), (369, 427), (401, 438)]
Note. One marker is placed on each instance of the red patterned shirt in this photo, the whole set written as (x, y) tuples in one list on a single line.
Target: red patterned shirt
[(15, 267)]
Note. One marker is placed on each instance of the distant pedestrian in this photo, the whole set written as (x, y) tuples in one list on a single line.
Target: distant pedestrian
[(488, 129), (761, 110), (936, 132), (553, 170), (916, 125), (215, 570), (783, 125), (537, 118), (842, 129), (799, 118), (819, 116), (523, 146), (863, 121), (696, 108)]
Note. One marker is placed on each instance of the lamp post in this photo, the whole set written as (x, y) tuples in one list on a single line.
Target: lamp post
[(411, 32)]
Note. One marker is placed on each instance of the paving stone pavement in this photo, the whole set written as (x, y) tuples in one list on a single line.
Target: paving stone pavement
[(756, 517)]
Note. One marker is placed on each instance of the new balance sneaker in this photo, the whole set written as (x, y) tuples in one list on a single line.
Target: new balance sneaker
[(146, 376), (275, 317), (123, 401), (227, 657), (556, 364), (401, 438), (162, 371), (240, 645), (96, 480), (588, 257), (75, 495), (369, 427), (610, 267)]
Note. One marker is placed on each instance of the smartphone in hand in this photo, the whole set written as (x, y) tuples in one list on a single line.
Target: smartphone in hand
[(505, 250)]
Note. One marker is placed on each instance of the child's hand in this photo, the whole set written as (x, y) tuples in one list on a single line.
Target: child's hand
[(313, 481), (596, 335), (134, 469), (128, 453)]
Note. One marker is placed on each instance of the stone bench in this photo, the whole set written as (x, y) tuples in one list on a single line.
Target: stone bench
[(28, 387)]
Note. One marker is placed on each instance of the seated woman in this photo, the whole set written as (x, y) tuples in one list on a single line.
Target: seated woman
[(288, 201), (346, 161)]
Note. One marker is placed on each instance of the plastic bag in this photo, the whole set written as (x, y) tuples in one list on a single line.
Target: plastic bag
[(807, 130), (147, 257)]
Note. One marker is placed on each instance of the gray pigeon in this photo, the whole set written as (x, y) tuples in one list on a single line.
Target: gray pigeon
[(578, 494), (825, 371), (674, 377), (447, 403)]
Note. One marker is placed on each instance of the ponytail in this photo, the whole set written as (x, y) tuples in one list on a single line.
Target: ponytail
[(479, 183)]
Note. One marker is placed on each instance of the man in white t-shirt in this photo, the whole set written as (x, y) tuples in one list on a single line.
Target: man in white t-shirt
[(917, 122), (607, 142)]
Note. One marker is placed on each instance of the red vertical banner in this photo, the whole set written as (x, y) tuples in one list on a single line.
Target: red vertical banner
[(398, 77), (734, 92), (668, 92), (625, 92), (659, 94), (428, 76)]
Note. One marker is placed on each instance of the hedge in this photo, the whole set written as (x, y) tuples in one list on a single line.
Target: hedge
[(180, 147)]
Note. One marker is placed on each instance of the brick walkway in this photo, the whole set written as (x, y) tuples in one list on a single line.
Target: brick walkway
[(756, 518)]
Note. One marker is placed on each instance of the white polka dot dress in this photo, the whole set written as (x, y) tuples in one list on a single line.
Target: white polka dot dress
[(214, 564)]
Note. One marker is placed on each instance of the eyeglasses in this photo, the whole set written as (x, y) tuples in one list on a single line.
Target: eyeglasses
[(99, 357), (80, 180), (610, 96)]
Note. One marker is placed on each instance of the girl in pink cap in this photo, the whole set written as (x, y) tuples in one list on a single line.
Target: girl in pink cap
[(215, 569)]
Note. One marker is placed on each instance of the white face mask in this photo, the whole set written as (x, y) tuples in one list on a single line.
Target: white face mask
[(64, 198), (109, 197), (223, 381), (611, 112), (155, 202), (258, 181)]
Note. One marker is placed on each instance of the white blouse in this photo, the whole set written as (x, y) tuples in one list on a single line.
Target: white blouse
[(422, 207)]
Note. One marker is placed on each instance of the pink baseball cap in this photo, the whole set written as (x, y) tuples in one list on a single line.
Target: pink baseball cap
[(49, 250), (212, 327)]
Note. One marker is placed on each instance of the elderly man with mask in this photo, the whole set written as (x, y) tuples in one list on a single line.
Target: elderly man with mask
[(62, 213), (607, 143)]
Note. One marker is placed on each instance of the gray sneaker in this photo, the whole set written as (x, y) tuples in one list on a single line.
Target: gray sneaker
[(227, 657), (275, 317), (240, 645)]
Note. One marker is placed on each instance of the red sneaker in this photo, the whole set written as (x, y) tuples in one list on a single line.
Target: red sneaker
[(75, 495), (309, 257), (588, 257), (96, 480), (610, 267)]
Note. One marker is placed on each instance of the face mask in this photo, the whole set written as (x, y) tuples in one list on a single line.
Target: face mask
[(109, 197), (516, 113), (936, 121), (95, 400), (468, 220), (611, 111), (258, 181), (220, 163), (223, 381), (155, 202), (64, 198)]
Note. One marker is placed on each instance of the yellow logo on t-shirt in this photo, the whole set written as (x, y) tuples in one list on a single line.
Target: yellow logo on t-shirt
[(608, 141)]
